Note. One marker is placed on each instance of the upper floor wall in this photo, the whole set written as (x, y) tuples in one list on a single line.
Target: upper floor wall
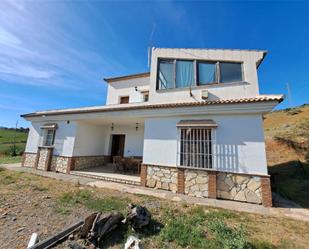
[(189, 65), (184, 75), (130, 89)]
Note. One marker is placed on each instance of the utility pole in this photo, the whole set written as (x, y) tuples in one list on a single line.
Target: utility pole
[(14, 140)]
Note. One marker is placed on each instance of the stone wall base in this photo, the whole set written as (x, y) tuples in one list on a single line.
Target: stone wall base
[(44, 160), (209, 183)]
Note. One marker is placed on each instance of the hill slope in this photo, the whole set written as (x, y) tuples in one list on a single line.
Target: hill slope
[(287, 149)]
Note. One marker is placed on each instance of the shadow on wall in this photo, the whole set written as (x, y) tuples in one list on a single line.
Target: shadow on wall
[(226, 157)]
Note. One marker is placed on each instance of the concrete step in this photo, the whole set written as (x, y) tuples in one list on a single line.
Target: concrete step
[(107, 178)]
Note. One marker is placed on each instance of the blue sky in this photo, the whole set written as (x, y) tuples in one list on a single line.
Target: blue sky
[(54, 54)]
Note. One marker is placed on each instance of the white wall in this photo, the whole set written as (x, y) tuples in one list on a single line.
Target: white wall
[(248, 88), (134, 140), (90, 140), (117, 89), (33, 137), (84, 139), (239, 145), (64, 137)]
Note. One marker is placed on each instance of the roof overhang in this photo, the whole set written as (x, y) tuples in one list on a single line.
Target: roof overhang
[(262, 104), (127, 77)]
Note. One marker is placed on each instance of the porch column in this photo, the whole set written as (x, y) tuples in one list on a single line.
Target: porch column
[(212, 184), (266, 191), (143, 175)]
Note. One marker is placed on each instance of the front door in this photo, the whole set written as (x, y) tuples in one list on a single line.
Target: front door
[(117, 145)]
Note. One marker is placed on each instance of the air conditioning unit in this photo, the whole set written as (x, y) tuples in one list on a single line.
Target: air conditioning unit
[(204, 94)]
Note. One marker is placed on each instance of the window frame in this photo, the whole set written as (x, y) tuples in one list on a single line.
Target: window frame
[(145, 96), (196, 73), (45, 137), (231, 62), (125, 96), (210, 165)]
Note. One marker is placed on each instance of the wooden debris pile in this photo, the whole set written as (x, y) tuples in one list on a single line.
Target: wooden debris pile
[(97, 228)]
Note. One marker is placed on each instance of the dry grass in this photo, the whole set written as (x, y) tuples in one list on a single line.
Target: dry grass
[(56, 204)]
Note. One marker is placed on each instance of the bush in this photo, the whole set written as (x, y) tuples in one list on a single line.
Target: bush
[(14, 151)]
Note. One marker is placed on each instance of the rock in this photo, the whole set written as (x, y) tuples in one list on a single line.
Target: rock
[(151, 183), (224, 195), (173, 187), (222, 186), (240, 179), (203, 187), (252, 197), (165, 186), (13, 219), (240, 196), (253, 185), (201, 179), (20, 229), (159, 184)]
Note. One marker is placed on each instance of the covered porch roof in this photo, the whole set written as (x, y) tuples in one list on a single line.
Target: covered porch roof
[(133, 107)]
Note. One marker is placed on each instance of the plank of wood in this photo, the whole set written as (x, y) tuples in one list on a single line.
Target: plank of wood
[(49, 242)]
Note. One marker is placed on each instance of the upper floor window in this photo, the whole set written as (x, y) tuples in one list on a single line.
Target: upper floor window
[(124, 100), (230, 72), (145, 96), (186, 73)]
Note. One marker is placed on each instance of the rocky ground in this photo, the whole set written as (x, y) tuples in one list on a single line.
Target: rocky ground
[(29, 210), (30, 203)]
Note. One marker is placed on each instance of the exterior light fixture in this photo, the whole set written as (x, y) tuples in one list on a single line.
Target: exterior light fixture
[(136, 127), (112, 128)]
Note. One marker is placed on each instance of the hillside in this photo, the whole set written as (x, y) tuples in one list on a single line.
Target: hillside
[(287, 149)]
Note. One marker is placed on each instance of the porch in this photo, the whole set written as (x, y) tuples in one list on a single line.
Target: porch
[(109, 149), (108, 173)]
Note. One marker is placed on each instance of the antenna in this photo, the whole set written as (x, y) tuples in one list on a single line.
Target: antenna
[(149, 53), (289, 94), (150, 43)]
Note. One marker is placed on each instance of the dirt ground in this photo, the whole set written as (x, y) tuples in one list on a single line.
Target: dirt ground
[(30, 203)]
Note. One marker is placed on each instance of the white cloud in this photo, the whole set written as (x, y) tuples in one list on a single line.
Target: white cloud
[(25, 71)]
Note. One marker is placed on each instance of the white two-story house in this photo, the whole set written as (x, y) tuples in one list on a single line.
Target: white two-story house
[(194, 122)]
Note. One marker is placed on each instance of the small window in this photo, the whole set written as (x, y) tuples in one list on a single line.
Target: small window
[(206, 73), (166, 74), (145, 96), (230, 72), (184, 74), (196, 147), (49, 135), (124, 100)]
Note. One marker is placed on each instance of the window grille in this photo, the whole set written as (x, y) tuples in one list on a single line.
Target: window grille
[(195, 147)]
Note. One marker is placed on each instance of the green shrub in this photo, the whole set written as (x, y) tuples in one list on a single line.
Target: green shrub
[(14, 150)]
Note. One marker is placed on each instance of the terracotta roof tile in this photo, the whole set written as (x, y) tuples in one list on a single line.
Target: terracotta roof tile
[(141, 106)]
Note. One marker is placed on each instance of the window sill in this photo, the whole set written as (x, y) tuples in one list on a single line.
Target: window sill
[(46, 147), (206, 86)]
